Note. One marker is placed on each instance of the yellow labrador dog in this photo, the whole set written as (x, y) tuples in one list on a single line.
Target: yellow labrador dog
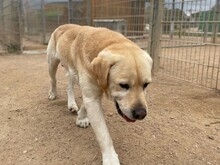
[(100, 61)]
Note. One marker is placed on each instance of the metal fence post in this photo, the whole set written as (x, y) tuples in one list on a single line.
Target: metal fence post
[(88, 20), (2, 28), (206, 26), (70, 11), (216, 18), (156, 25), (13, 31), (172, 26), (43, 23), (20, 25)]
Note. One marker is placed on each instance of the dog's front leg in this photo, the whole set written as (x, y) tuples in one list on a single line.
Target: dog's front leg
[(98, 124), (92, 103)]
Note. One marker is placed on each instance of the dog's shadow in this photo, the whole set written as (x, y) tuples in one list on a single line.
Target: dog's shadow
[(58, 102), (61, 104)]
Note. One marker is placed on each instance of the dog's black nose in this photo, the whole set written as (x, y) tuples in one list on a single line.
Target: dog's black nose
[(139, 113)]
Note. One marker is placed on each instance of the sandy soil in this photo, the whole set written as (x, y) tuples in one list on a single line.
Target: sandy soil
[(183, 126)]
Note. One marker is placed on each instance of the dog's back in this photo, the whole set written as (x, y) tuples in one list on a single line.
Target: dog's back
[(87, 41)]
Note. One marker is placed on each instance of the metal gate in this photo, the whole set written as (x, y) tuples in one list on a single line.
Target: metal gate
[(190, 41)]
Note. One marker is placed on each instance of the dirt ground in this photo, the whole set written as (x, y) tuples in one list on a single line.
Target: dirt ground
[(182, 128)]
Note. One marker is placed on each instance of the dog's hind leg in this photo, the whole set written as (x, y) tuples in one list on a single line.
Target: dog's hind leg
[(53, 64), (82, 119), (72, 106)]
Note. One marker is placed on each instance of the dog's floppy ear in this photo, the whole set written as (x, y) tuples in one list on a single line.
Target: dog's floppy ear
[(101, 67)]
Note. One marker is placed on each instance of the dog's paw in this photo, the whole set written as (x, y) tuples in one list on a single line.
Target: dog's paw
[(73, 108), (83, 123), (52, 96), (111, 159)]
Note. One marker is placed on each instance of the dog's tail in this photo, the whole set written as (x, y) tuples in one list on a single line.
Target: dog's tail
[(51, 48)]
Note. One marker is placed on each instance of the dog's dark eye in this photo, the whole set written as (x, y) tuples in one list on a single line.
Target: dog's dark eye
[(124, 86), (145, 85)]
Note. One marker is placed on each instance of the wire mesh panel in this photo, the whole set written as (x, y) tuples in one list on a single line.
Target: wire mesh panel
[(10, 29), (41, 17), (130, 18), (33, 20), (190, 41), (80, 12)]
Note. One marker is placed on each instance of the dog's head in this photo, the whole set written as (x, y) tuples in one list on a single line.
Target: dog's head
[(124, 76)]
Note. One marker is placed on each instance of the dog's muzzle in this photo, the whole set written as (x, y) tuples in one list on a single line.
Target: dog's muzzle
[(137, 114)]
